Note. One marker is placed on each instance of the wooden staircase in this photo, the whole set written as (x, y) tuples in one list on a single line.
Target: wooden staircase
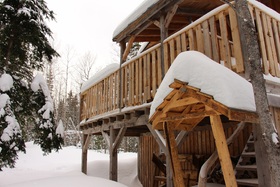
[(246, 168)]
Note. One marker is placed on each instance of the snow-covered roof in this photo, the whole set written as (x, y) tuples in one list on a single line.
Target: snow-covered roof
[(99, 76), (211, 78), (134, 15)]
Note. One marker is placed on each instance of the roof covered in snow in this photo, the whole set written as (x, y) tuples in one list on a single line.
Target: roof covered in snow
[(143, 21), (211, 78)]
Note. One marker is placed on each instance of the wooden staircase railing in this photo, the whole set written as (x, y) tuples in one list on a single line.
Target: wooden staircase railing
[(246, 168)]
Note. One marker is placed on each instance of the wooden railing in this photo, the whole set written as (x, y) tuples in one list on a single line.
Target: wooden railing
[(216, 35)]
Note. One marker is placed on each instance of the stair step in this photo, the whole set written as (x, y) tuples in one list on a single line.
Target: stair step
[(250, 142), (247, 182), (248, 154), (246, 167)]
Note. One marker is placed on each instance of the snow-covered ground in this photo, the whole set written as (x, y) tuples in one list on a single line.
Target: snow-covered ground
[(63, 169)]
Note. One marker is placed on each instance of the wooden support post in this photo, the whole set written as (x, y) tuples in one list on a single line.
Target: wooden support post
[(128, 47), (113, 156), (113, 149), (180, 137), (122, 48), (86, 141), (161, 142), (223, 152), (171, 145)]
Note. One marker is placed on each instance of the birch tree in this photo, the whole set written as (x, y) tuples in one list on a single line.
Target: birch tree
[(265, 131)]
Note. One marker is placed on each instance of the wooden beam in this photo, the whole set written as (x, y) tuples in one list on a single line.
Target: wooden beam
[(86, 143), (156, 23), (106, 138), (180, 137), (119, 138), (171, 145), (158, 137), (170, 15), (203, 174), (223, 152), (163, 36), (128, 47)]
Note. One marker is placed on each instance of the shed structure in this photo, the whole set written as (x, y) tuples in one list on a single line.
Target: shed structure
[(188, 122)]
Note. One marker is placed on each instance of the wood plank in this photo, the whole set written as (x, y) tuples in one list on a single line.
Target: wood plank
[(207, 39), (172, 50), (214, 39), (145, 98), (159, 67), (178, 45), (262, 42), (130, 84), (192, 42), (225, 41), (137, 80), (140, 95), (223, 152), (199, 38), (149, 78), (268, 44), (236, 41), (184, 42), (133, 81), (273, 45), (125, 85), (276, 32), (154, 74), (166, 57)]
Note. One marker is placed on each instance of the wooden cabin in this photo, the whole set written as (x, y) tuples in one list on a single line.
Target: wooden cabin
[(118, 102)]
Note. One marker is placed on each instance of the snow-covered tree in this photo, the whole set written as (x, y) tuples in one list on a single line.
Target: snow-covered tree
[(24, 48)]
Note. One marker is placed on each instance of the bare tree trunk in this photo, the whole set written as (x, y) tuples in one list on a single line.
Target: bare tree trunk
[(251, 54)]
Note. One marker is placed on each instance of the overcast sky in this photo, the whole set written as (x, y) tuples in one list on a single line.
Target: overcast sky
[(88, 25)]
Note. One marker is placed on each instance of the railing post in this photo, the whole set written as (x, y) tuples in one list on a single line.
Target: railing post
[(163, 35), (122, 48)]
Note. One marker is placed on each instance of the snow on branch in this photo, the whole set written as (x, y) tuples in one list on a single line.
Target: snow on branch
[(39, 82), (6, 82)]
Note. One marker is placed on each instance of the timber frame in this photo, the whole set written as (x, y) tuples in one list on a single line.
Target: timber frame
[(186, 123)]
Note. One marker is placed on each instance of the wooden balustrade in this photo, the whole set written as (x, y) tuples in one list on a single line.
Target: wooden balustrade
[(216, 35)]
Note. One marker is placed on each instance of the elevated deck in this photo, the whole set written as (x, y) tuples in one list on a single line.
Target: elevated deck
[(125, 94), (118, 104)]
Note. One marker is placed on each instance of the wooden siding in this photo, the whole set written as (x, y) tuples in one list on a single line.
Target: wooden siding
[(199, 143), (215, 35)]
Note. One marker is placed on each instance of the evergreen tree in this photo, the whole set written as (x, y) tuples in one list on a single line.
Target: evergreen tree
[(24, 48)]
